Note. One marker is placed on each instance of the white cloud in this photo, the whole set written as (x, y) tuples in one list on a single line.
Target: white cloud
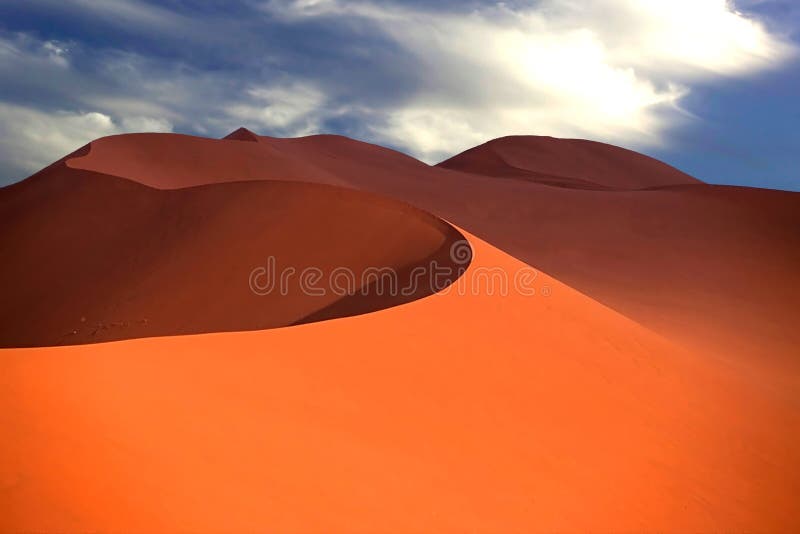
[(120, 12), (56, 53), (301, 8), (613, 70), (708, 35), (20, 50), (31, 139), (293, 108)]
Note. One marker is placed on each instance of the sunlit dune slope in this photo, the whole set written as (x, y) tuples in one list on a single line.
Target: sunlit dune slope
[(463, 411), (711, 266), (89, 257)]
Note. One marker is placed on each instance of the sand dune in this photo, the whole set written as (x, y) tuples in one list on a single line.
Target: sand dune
[(715, 267), (573, 163), (457, 412), (172, 161), (649, 383), (97, 258)]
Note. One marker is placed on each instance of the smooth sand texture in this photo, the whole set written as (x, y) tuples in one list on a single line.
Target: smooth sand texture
[(568, 163), (715, 267), (92, 257), (465, 411), (454, 413)]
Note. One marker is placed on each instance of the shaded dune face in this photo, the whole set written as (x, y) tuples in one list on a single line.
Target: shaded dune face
[(716, 267), (90, 257), (710, 265)]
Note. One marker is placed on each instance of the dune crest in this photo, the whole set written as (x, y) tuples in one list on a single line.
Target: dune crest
[(242, 134), (689, 260), (100, 258), (574, 163), (449, 414), (648, 382)]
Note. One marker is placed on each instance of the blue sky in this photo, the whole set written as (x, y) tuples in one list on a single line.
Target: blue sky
[(706, 85)]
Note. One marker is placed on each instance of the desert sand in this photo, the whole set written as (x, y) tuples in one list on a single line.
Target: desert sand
[(101, 258), (686, 259), (634, 391), (573, 163)]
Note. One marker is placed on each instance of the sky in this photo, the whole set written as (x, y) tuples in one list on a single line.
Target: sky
[(708, 86)]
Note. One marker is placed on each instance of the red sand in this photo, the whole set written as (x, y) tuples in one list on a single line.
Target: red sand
[(99, 258), (567, 162), (462, 411), (712, 266)]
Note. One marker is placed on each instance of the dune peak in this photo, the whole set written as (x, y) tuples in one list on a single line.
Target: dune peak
[(241, 134), (570, 163)]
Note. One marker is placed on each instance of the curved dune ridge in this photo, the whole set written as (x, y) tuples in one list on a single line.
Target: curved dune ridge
[(458, 412), (715, 267), (99, 258), (648, 381)]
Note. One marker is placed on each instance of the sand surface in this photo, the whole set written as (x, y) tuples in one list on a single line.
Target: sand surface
[(716, 267), (592, 401), (94, 257), (452, 413)]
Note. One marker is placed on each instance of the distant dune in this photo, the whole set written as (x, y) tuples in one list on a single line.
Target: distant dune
[(573, 163), (649, 382)]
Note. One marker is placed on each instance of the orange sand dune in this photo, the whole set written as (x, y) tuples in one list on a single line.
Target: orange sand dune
[(460, 412), (92, 257), (466, 410), (714, 267)]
